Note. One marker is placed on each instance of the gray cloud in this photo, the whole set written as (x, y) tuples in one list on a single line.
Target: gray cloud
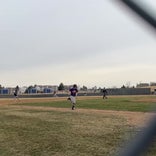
[(40, 33)]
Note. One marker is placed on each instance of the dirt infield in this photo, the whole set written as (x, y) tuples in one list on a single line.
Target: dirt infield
[(133, 118)]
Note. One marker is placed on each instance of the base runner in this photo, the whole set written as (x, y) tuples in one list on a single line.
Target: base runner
[(73, 94)]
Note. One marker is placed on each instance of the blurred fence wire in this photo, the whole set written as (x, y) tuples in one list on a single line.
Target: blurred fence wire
[(145, 138)]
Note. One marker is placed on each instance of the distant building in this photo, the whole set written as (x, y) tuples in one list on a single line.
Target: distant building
[(151, 85), (32, 91), (22, 90), (142, 85), (4, 91), (42, 88), (47, 90)]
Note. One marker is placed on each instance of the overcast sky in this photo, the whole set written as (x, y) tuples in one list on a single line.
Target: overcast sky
[(88, 42)]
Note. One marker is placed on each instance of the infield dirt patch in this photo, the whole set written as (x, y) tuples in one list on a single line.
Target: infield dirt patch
[(133, 118)]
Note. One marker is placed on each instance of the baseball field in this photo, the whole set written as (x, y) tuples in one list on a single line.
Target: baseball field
[(48, 126)]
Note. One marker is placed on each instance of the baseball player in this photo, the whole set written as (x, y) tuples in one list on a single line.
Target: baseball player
[(73, 93)]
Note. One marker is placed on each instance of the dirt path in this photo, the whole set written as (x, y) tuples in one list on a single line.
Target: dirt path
[(133, 118)]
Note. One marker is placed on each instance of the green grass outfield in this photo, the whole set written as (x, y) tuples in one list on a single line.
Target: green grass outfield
[(121, 103), (40, 132)]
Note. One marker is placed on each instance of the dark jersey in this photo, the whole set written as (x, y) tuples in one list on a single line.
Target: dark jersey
[(16, 90), (73, 91), (104, 91)]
